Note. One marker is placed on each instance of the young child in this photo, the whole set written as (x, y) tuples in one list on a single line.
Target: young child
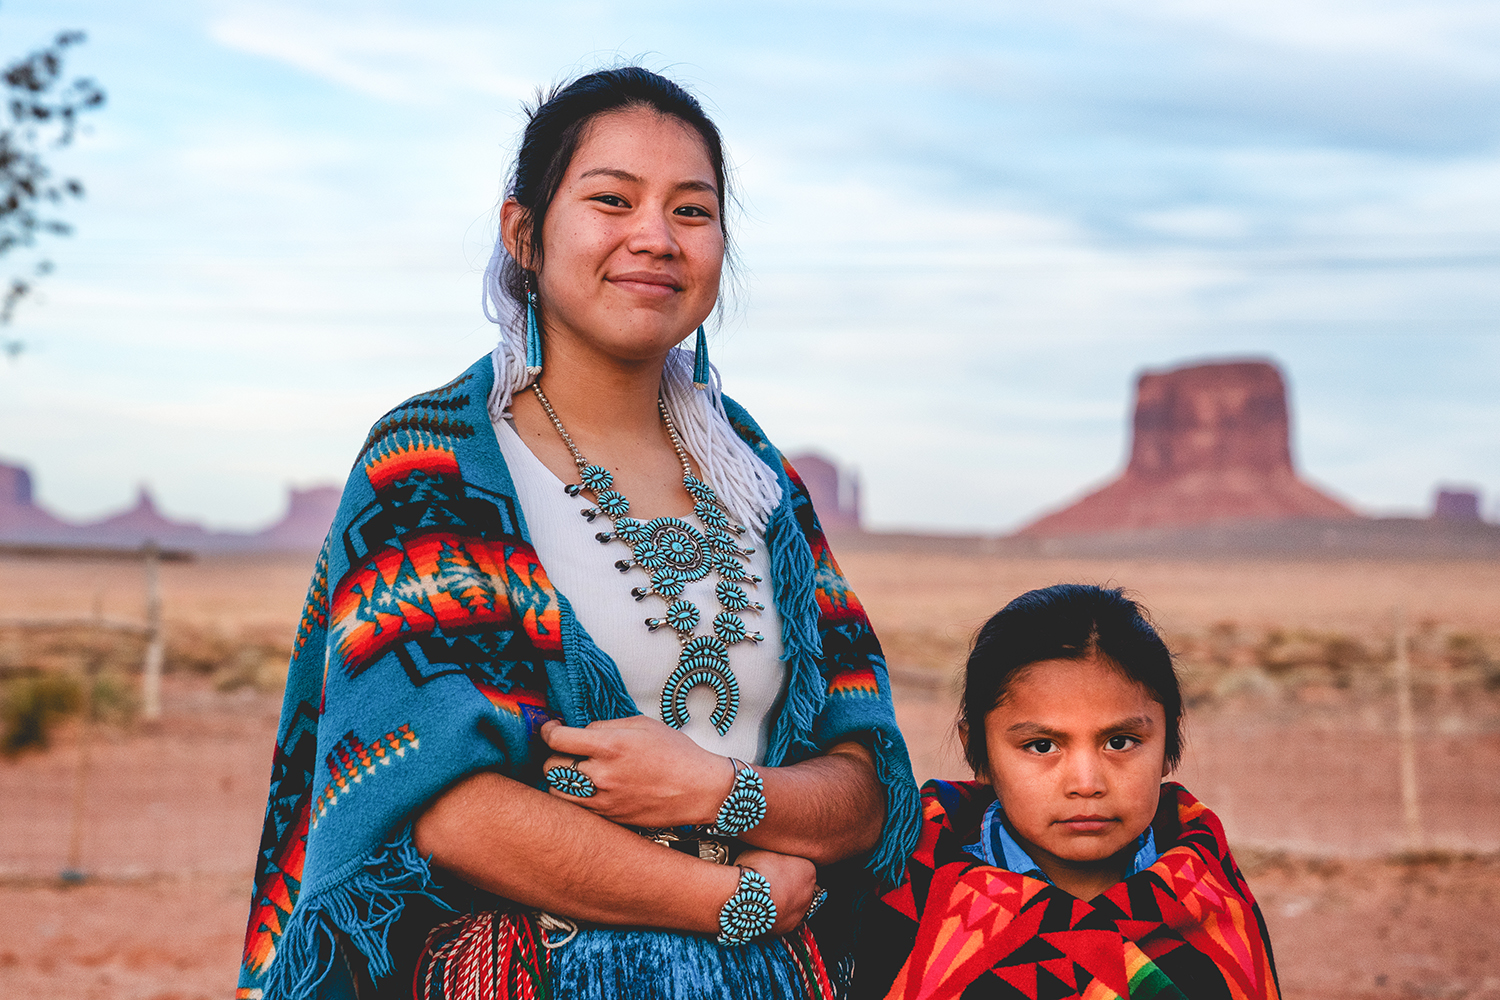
[(1068, 869)]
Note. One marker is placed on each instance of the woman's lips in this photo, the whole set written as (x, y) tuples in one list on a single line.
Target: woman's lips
[(645, 283), (1087, 824)]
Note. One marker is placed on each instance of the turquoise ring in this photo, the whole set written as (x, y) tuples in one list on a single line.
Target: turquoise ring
[(571, 781)]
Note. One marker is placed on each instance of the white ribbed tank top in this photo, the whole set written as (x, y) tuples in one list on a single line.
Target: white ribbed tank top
[(584, 569)]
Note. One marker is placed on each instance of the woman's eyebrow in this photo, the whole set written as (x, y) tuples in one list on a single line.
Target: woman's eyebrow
[(627, 176), (614, 172)]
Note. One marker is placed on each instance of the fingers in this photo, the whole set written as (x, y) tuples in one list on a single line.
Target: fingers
[(570, 740), (597, 738)]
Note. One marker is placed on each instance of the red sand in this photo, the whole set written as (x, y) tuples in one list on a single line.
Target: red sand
[(1309, 778)]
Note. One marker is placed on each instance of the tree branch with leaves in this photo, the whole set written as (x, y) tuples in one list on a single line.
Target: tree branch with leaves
[(42, 116)]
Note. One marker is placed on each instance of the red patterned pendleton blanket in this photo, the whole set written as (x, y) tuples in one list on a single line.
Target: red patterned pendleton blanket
[(1187, 926)]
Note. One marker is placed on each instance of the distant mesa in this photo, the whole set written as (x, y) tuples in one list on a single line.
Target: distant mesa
[(143, 523), (303, 527), (1456, 505), (308, 517), (834, 492), (19, 514), (1212, 444)]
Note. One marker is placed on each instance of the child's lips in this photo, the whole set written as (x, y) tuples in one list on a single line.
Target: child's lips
[(1088, 824)]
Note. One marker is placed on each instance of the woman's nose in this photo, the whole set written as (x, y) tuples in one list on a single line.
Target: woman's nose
[(653, 234)]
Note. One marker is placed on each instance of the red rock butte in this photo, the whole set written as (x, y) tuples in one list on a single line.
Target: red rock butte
[(1212, 444)]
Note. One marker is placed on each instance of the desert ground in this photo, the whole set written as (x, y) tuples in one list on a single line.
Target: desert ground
[(1292, 740)]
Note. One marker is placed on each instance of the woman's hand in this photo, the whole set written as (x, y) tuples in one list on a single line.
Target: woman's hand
[(645, 772), (794, 882)]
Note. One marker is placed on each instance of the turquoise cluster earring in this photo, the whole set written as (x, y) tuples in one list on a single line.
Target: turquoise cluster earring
[(533, 332), (700, 360)]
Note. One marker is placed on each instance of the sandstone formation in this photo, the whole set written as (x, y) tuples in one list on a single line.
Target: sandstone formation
[(308, 516), (1456, 505), (1211, 444), (144, 523), (19, 513), (834, 491), (22, 520)]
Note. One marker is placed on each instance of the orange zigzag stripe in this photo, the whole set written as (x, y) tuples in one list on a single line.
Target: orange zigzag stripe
[(275, 899)]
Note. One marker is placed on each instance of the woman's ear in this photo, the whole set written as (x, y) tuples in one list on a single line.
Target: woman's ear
[(514, 220)]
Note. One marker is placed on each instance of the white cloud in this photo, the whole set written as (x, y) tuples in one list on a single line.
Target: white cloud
[(1449, 32), (968, 228), (401, 60)]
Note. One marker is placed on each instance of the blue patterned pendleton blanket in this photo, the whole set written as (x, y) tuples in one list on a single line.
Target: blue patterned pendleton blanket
[(432, 645)]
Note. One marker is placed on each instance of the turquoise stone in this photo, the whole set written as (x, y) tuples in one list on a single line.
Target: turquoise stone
[(596, 478)]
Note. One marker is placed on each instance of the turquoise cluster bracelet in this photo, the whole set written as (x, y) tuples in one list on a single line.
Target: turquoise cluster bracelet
[(745, 806), (750, 912)]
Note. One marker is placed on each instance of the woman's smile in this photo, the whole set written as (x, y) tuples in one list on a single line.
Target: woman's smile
[(648, 283)]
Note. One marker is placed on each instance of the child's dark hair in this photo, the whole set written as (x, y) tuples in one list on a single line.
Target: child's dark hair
[(1065, 622)]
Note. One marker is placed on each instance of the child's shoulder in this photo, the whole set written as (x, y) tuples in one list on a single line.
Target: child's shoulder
[(958, 805)]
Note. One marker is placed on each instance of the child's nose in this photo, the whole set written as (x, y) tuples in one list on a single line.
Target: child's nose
[(1085, 775)]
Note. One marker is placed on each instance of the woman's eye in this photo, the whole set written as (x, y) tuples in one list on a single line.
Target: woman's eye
[(1121, 742), (612, 200), (1041, 746), (692, 211)]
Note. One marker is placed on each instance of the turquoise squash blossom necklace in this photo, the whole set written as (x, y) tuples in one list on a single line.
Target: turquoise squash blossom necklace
[(674, 554)]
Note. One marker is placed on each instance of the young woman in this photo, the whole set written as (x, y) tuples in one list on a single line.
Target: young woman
[(1068, 869), (581, 705)]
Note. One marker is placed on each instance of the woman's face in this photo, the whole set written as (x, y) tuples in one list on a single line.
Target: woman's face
[(633, 240)]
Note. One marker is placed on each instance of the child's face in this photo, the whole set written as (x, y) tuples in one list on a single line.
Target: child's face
[(1077, 752)]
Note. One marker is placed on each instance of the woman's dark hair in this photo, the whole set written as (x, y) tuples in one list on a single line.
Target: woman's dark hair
[(1065, 622), (556, 125)]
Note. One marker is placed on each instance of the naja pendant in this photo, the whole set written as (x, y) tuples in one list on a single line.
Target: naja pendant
[(704, 660)]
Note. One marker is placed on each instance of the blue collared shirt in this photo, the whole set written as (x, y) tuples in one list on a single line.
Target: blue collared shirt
[(997, 847)]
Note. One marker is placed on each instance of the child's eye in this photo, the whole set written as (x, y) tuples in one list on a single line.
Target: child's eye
[(1041, 746), (1121, 742)]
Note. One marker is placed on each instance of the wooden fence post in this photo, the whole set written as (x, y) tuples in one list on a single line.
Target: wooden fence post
[(155, 643), (1411, 807)]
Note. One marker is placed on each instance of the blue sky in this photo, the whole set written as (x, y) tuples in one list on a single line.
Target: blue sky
[(965, 228)]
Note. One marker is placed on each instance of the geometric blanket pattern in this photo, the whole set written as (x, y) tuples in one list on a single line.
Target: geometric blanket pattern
[(433, 644), (1187, 926)]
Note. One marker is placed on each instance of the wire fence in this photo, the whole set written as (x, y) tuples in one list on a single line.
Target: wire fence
[(186, 797), (1405, 763), (1308, 772)]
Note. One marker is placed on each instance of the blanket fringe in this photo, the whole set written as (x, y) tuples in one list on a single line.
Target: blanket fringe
[(597, 678), (903, 810), (793, 571), (364, 906)]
